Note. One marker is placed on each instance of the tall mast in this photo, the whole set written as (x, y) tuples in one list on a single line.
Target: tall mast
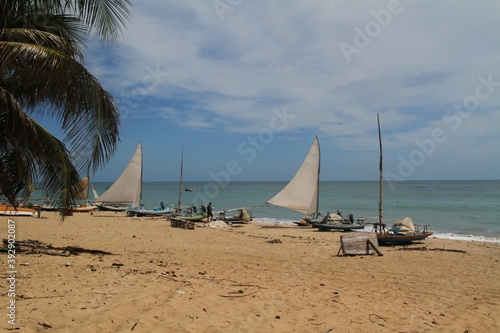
[(140, 193), (180, 182), (380, 214), (317, 185)]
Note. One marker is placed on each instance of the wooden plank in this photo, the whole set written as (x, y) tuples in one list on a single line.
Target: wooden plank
[(356, 243)]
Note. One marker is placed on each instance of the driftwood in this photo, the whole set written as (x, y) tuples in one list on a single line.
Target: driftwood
[(37, 247), (426, 249)]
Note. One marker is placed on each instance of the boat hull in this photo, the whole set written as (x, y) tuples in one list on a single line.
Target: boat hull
[(7, 210), (340, 226), (146, 212), (84, 208), (193, 218), (116, 208), (389, 239)]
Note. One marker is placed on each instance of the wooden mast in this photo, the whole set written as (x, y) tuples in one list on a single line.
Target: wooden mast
[(317, 185), (380, 214), (180, 182)]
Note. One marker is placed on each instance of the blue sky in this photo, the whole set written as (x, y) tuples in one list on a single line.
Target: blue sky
[(247, 85)]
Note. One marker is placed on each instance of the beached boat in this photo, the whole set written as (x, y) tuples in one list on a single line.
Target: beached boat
[(339, 223), (9, 210), (127, 189), (188, 213), (403, 231), (301, 194), (161, 210), (191, 213), (82, 205), (237, 215)]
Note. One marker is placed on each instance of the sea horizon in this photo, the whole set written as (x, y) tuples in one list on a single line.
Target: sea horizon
[(455, 209)]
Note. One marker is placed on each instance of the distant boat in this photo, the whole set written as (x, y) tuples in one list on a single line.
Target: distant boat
[(8, 210), (81, 196), (301, 194), (403, 231), (191, 189), (189, 213), (126, 191)]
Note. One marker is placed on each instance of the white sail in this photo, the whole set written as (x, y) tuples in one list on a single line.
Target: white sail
[(127, 188), (83, 189), (301, 193), (96, 196)]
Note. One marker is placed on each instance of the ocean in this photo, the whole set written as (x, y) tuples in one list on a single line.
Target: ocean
[(462, 209)]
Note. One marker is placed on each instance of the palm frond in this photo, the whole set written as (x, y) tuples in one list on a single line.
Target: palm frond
[(88, 114)]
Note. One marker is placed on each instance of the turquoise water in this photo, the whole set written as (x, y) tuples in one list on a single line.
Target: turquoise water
[(454, 209)]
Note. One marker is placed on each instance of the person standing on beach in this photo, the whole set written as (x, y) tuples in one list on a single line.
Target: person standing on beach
[(209, 212)]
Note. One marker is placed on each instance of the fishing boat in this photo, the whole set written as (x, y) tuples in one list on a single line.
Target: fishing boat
[(126, 191), (82, 205), (17, 211), (301, 194), (236, 215), (339, 223), (161, 210), (191, 213), (188, 213), (403, 231)]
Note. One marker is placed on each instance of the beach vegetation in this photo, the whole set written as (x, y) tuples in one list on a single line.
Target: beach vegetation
[(42, 75)]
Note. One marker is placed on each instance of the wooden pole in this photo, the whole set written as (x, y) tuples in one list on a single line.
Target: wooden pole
[(380, 212), (180, 182)]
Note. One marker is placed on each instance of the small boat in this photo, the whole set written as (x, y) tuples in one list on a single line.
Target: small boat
[(301, 194), (191, 190), (242, 215), (83, 208), (191, 213), (126, 191), (9, 210), (157, 211), (341, 224), (403, 231), (113, 208)]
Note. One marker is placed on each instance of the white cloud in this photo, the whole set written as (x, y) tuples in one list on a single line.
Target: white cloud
[(264, 55)]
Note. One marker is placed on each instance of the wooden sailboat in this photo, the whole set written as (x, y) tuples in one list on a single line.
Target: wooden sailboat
[(395, 235), (301, 194), (127, 189), (83, 204), (190, 213)]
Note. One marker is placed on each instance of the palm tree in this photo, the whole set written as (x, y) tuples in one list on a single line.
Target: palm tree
[(42, 75)]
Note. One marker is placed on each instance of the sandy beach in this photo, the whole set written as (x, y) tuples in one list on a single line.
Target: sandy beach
[(251, 278)]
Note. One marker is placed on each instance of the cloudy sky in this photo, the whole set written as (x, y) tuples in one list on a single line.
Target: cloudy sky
[(244, 87)]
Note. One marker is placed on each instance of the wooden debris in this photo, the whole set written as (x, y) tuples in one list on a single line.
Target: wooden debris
[(37, 247), (426, 249), (359, 243), (180, 223)]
